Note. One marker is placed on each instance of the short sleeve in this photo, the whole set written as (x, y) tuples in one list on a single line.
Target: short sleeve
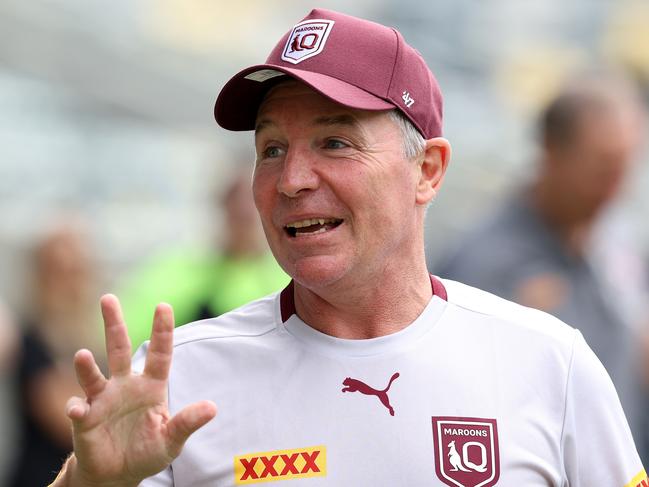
[(597, 445)]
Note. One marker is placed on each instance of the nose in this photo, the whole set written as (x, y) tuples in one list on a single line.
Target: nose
[(297, 175)]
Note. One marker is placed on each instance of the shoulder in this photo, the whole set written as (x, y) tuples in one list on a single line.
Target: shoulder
[(512, 319), (254, 319)]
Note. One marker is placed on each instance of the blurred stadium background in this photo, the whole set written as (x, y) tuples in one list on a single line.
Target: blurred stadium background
[(106, 108)]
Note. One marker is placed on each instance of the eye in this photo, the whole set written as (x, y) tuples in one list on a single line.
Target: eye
[(335, 144), (272, 152)]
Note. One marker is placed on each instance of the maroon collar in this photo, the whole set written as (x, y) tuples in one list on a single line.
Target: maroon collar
[(287, 302), (287, 299)]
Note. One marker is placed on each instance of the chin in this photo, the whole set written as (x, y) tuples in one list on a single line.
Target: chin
[(318, 271)]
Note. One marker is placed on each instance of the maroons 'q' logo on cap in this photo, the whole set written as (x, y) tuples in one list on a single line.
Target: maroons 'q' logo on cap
[(307, 39), (466, 451)]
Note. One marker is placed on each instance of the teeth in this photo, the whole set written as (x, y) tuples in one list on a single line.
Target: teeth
[(320, 230), (311, 221)]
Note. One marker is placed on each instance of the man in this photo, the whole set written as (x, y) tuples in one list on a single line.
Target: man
[(365, 370), (552, 245)]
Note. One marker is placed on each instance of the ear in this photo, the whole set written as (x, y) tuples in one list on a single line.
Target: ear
[(432, 169)]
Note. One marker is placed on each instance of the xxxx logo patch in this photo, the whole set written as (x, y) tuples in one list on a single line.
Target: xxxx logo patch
[(280, 465), (640, 480), (466, 451)]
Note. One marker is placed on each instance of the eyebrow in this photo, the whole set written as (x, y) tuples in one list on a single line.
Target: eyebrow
[(326, 120)]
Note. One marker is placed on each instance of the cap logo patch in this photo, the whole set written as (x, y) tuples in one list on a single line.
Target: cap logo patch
[(307, 39), (407, 99)]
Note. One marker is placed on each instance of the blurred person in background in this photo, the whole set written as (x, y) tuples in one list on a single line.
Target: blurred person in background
[(205, 285), (8, 352), (556, 244), (61, 319), (8, 337)]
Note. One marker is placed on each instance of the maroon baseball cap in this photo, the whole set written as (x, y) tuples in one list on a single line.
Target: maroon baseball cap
[(354, 62)]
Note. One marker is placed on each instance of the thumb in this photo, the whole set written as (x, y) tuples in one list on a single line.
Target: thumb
[(185, 422)]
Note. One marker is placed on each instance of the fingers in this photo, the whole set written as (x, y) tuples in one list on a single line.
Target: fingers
[(77, 408), (118, 345), (90, 378), (158, 357), (185, 422)]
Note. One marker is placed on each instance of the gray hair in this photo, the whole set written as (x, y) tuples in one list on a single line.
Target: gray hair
[(413, 142)]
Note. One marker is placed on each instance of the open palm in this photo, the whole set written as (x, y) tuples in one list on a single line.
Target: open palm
[(123, 432)]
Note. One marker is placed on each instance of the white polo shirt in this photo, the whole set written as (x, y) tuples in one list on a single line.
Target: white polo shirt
[(477, 391)]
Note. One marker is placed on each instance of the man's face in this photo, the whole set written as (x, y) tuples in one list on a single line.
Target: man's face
[(334, 190), (593, 168)]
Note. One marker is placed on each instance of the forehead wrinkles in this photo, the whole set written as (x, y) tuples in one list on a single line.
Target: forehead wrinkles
[(292, 96), (288, 90), (344, 119)]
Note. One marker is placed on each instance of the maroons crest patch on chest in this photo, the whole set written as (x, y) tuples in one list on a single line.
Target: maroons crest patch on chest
[(466, 451)]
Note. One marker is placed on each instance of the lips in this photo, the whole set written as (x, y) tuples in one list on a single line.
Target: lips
[(311, 226)]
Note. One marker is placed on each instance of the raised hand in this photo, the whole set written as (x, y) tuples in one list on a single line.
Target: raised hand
[(122, 429)]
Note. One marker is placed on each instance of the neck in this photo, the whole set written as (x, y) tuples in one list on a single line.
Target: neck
[(573, 231), (369, 309)]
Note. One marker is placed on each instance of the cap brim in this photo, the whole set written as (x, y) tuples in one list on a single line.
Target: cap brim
[(238, 102)]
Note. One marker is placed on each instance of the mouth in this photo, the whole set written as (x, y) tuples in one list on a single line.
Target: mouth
[(311, 226)]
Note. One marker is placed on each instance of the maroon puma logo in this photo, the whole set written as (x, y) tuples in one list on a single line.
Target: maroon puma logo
[(355, 385)]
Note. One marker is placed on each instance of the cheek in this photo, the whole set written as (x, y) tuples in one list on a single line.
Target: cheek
[(399, 190), (262, 193), (391, 206), (265, 196)]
